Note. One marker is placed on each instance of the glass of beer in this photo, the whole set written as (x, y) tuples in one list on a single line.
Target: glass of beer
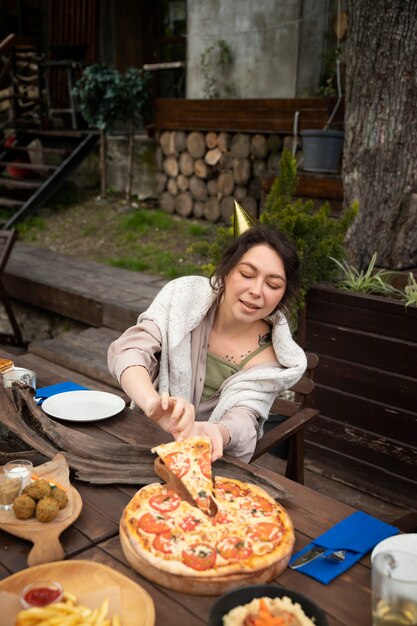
[(394, 589)]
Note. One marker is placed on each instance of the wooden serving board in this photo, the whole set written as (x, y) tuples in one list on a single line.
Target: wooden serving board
[(83, 577), (198, 585), (44, 536)]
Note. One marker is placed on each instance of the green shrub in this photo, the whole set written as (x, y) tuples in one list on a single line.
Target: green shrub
[(316, 235)]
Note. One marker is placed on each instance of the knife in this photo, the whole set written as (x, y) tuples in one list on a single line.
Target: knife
[(307, 557)]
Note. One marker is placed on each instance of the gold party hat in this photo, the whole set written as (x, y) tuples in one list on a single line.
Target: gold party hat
[(242, 221)]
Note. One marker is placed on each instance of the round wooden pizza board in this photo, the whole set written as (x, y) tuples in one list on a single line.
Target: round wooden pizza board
[(199, 585)]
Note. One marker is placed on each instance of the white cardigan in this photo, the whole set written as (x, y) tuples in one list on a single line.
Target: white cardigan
[(178, 309)]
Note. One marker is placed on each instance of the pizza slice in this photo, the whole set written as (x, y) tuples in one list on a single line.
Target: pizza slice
[(190, 462), (6, 365)]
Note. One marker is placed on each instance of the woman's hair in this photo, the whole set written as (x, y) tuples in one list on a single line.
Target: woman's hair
[(260, 234)]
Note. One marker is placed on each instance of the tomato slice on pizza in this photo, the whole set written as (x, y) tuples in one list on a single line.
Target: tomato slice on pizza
[(190, 461)]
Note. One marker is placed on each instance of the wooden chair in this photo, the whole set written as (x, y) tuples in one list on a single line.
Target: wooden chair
[(7, 239), (298, 416)]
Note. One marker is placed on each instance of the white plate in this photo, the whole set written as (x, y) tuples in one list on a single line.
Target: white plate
[(406, 543), (83, 406)]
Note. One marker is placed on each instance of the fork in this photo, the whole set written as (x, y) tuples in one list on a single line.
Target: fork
[(338, 556)]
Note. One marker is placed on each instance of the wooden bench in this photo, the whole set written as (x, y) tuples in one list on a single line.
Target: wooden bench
[(298, 416)]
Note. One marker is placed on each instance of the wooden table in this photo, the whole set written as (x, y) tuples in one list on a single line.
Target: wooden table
[(94, 535)]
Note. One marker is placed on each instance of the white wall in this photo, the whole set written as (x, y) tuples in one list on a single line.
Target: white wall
[(276, 45)]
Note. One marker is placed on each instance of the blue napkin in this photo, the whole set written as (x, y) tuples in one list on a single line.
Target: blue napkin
[(357, 534), (46, 392)]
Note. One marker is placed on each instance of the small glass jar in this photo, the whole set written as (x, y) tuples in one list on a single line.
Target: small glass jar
[(20, 468), (41, 594)]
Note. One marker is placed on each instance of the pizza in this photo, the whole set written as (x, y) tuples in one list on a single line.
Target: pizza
[(190, 461), (249, 532)]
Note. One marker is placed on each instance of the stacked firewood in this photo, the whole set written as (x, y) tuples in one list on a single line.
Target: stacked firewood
[(200, 174)]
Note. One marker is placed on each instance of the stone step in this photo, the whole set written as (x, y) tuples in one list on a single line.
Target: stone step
[(89, 292), (82, 351)]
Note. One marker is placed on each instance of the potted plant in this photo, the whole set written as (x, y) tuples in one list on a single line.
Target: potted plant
[(106, 96), (322, 148)]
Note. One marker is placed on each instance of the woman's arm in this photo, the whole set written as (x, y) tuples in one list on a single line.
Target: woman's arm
[(174, 415), (134, 360)]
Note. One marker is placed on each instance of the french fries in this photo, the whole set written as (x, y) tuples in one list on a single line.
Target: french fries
[(67, 613)]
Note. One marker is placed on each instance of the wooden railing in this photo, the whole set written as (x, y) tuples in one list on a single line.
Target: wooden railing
[(246, 115)]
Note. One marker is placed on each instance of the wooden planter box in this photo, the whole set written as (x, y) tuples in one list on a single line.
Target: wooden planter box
[(366, 384)]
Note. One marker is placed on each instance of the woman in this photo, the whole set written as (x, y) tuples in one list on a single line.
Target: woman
[(209, 356)]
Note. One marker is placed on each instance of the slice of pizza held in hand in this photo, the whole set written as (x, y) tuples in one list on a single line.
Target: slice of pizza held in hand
[(190, 462)]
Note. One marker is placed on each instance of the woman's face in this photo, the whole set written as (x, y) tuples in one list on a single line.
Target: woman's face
[(255, 286)]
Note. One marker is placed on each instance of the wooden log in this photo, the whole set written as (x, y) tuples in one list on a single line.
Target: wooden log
[(274, 143), (250, 205), (212, 187), (239, 193), (223, 141), (180, 141), (259, 167), (211, 140), (241, 171), (254, 188), (103, 461), (167, 143), (258, 146), (240, 146), (198, 209), (212, 209), (167, 202), (196, 144), (226, 161), (172, 186), (273, 162), (227, 208), (161, 182), (200, 168), (198, 188), (182, 182), (213, 156), (170, 167), (184, 204), (186, 164), (288, 142), (225, 184)]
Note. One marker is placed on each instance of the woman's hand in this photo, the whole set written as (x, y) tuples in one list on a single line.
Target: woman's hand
[(218, 434), (174, 415)]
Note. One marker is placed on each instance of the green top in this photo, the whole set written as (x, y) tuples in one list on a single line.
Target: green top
[(219, 369)]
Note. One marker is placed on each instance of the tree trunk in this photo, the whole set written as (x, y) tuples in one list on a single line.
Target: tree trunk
[(131, 145), (380, 163), (103, 165)]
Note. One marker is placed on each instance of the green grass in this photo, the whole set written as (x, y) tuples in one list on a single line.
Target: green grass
[(144, 240)]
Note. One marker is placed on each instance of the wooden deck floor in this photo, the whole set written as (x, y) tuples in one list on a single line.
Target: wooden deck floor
[(108, 300)]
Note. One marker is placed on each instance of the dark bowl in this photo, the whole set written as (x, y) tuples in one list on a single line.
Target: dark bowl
[(244, 595)]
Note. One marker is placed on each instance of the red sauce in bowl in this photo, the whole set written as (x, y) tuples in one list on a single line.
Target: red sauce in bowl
[(41, 594)]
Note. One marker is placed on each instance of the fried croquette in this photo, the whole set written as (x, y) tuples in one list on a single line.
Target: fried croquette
[(60, 496), (24, 506), (47, 509), (38, 489)]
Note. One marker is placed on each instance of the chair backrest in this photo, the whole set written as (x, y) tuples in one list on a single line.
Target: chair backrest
[(7, 239), (301, 389)]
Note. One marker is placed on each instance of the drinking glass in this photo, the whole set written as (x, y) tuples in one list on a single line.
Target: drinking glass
[(20, 468), (9, 490), (394, 589)]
